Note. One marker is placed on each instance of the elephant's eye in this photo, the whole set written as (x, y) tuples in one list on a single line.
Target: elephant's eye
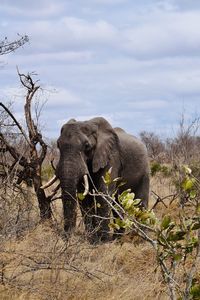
[(87, 147)]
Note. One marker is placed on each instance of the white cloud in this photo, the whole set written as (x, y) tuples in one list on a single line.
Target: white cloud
[(180, 4), (73, 33), (32, 8), (165, 5), (62, 97), (162, 35), (107, 2), (146, 105), (12, 94), (167, 35), (52, 58)]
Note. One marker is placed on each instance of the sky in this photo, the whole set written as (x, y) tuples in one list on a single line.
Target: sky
[(136, 63)]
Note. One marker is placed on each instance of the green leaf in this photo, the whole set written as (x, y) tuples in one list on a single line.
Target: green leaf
[(119, 223), (80, 196), (193, 194), (165, 222), (124, 194), (194, 241), (117, 179), (114, 226), (107, 178), (166, 170), (122, 183), (127, 223), (189, 249), (137, 202), (177, 256), (176, 236), (195, 291), (188, 184), (155, 167), (146, 216), (127, 203)]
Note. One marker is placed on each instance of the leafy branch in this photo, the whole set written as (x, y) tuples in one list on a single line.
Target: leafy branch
[(176, 242)]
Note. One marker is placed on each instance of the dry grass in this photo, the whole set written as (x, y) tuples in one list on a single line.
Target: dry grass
[(41, 264), (44, 266)]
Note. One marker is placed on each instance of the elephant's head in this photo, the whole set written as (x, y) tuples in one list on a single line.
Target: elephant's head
[(83, 145), (85, 148)]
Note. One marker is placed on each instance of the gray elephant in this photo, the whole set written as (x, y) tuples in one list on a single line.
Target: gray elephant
[(92, 148)]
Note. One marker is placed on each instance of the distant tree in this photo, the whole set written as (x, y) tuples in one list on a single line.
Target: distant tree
[(184, 147), (153, 143), (7, 46)]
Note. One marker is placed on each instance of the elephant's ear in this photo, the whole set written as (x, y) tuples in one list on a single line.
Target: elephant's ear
[(107, 141)]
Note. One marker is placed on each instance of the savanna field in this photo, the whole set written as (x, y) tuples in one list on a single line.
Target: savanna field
[(37, 262)]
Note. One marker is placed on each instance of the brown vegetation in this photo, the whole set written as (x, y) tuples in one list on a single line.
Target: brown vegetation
[(38, 263), (41, 264)]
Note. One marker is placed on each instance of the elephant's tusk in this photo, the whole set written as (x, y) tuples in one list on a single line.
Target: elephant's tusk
[(86, 184), (49, 183)]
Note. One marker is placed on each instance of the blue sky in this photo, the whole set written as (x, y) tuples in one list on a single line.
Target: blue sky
[(137, 63)]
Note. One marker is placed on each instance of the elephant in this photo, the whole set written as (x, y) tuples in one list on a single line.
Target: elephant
[(91, 148)]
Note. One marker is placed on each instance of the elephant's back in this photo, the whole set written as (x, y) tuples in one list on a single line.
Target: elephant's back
[(134, 156), (130, 144)]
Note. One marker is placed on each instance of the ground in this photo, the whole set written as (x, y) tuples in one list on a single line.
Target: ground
[(38, 262)]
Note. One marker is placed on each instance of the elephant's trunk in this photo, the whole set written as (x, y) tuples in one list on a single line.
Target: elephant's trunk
[(71, 171), (69, 206)]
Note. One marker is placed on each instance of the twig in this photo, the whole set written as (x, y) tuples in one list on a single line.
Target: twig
[(15, 121), (159, 199)]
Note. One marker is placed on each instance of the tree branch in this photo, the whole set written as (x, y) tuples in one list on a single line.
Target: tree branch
[(15, 121), (8, 47)]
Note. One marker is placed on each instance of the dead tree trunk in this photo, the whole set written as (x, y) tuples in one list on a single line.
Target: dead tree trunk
[(31, 163), (43, 201)]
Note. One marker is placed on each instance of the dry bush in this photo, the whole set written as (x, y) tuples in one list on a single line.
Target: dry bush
[(38, 263), (155, 146), (18, 211), (44, 266)]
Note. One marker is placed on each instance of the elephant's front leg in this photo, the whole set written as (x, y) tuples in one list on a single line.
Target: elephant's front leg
[(96, 216), (69, 212), (87, 206), (102, 219), (103, 208)]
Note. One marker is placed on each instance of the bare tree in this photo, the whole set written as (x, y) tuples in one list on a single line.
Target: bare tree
[(27, 165), (153, 143), (184, 147)]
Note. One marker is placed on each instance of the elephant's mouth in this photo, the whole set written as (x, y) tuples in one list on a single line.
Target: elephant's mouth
[(55, 178)]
